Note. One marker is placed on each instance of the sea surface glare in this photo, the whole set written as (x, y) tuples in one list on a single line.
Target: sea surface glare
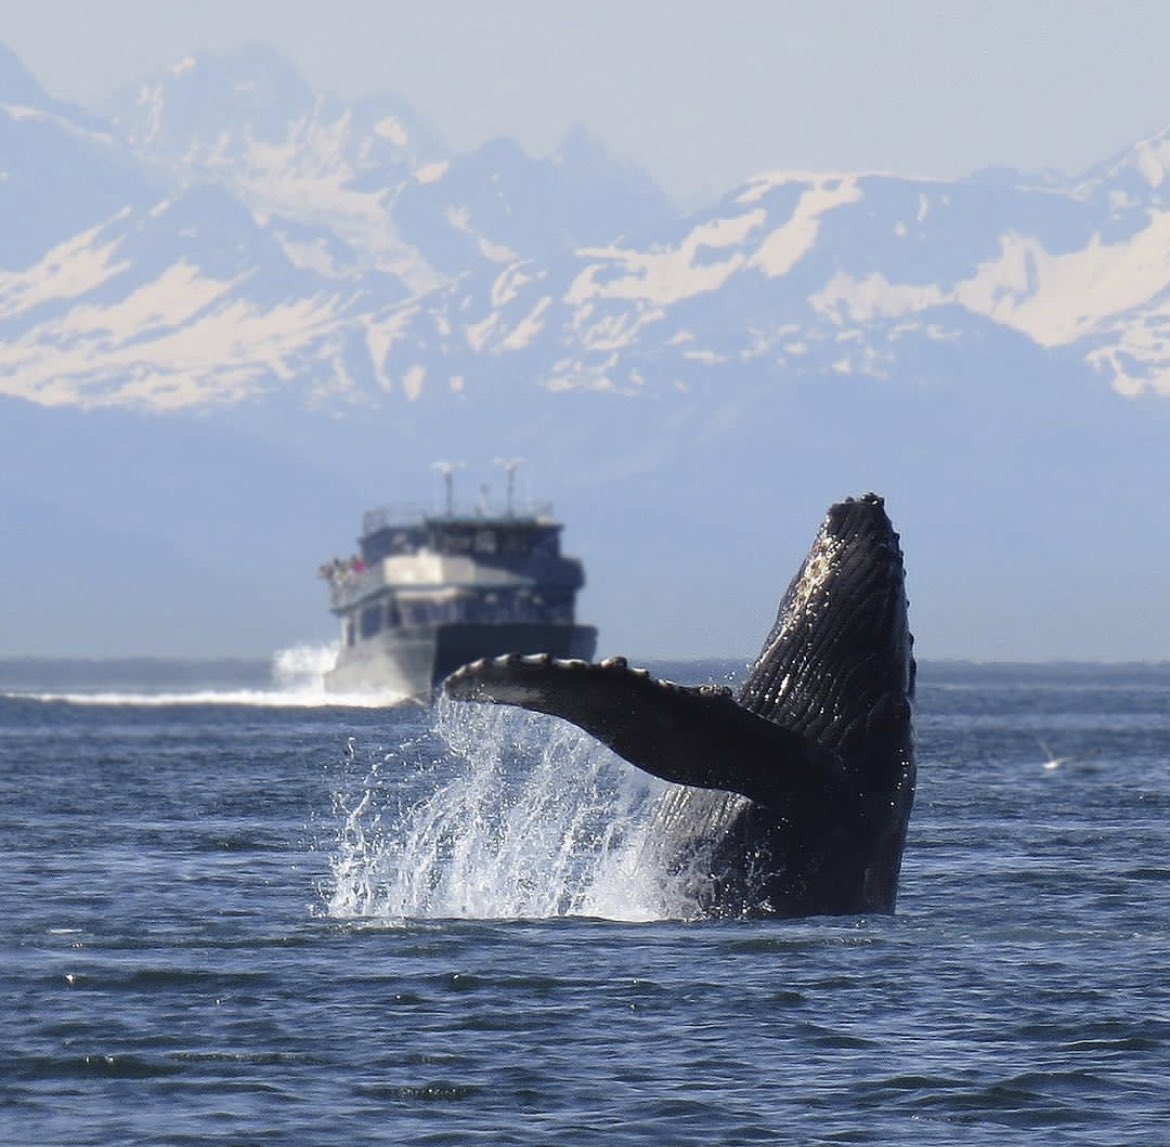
[(240, 916)]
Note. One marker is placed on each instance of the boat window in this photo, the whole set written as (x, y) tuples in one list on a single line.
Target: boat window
[(558, 608), (517, 542), (454, 542), (419, 613), (371, 621), (522, 607)]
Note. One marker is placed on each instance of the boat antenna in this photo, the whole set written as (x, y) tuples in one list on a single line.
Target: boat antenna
[(509, 466), (447, 469)]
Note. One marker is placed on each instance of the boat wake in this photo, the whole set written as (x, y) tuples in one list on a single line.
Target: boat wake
[(294, 679), (537, 821)]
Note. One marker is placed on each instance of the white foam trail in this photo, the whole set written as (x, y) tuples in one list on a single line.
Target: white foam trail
[(538, 821), (260, 698), (298, 682)]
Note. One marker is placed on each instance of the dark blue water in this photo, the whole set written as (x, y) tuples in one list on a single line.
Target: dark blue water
[(277, 922)]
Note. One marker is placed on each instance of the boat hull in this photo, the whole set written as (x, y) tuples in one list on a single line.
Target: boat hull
[(412, 662)]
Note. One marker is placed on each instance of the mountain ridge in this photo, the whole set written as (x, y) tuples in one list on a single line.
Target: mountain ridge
[(340, 308), (417, 264)]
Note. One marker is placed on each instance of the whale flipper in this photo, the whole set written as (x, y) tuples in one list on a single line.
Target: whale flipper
[(692, 736), (819, 739)]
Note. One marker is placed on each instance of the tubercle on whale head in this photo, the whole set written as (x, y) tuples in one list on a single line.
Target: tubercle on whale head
[(862, 543), (847, 603), (864, 521), (861, 515)]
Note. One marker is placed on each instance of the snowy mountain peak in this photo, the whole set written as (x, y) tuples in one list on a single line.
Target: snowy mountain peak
[(185, 108), (246, 236), (585, 161), (320, 173), (1137, 176), (210, 108)]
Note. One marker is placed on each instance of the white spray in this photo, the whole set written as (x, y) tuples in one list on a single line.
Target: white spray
[(537, 820)]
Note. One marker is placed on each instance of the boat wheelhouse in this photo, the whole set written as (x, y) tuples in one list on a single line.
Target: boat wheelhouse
[(428, 592)]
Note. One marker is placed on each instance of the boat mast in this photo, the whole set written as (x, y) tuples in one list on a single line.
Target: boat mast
[(510, 466), (447, 469)]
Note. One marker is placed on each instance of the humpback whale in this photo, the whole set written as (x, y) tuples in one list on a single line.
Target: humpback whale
[(792, 797)]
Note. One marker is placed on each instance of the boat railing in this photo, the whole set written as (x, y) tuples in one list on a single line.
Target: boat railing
[(350, 585), (415, 513)]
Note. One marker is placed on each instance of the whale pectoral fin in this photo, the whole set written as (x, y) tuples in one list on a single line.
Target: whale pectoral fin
[(692, 736)]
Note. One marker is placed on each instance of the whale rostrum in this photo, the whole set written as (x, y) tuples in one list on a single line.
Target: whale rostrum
[(793, 796)]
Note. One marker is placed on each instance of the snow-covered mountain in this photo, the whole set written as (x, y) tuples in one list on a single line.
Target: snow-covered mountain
[(225, 214), (316, 173), (326, 289)]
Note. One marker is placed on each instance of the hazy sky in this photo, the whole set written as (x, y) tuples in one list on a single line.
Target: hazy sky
[(702, 93)]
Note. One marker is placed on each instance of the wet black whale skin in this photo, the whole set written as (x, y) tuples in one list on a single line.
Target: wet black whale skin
[(795, 794)]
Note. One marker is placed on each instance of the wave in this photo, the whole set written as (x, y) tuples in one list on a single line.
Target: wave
[(296, 680)]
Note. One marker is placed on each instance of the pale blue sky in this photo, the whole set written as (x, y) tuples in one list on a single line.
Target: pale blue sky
[(702, 93)]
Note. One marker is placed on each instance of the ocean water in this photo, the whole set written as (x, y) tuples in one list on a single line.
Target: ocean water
[(237, 913)]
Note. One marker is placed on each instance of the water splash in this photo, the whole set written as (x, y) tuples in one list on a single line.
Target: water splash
[(298, 677), (537, 821), (302, 666)]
